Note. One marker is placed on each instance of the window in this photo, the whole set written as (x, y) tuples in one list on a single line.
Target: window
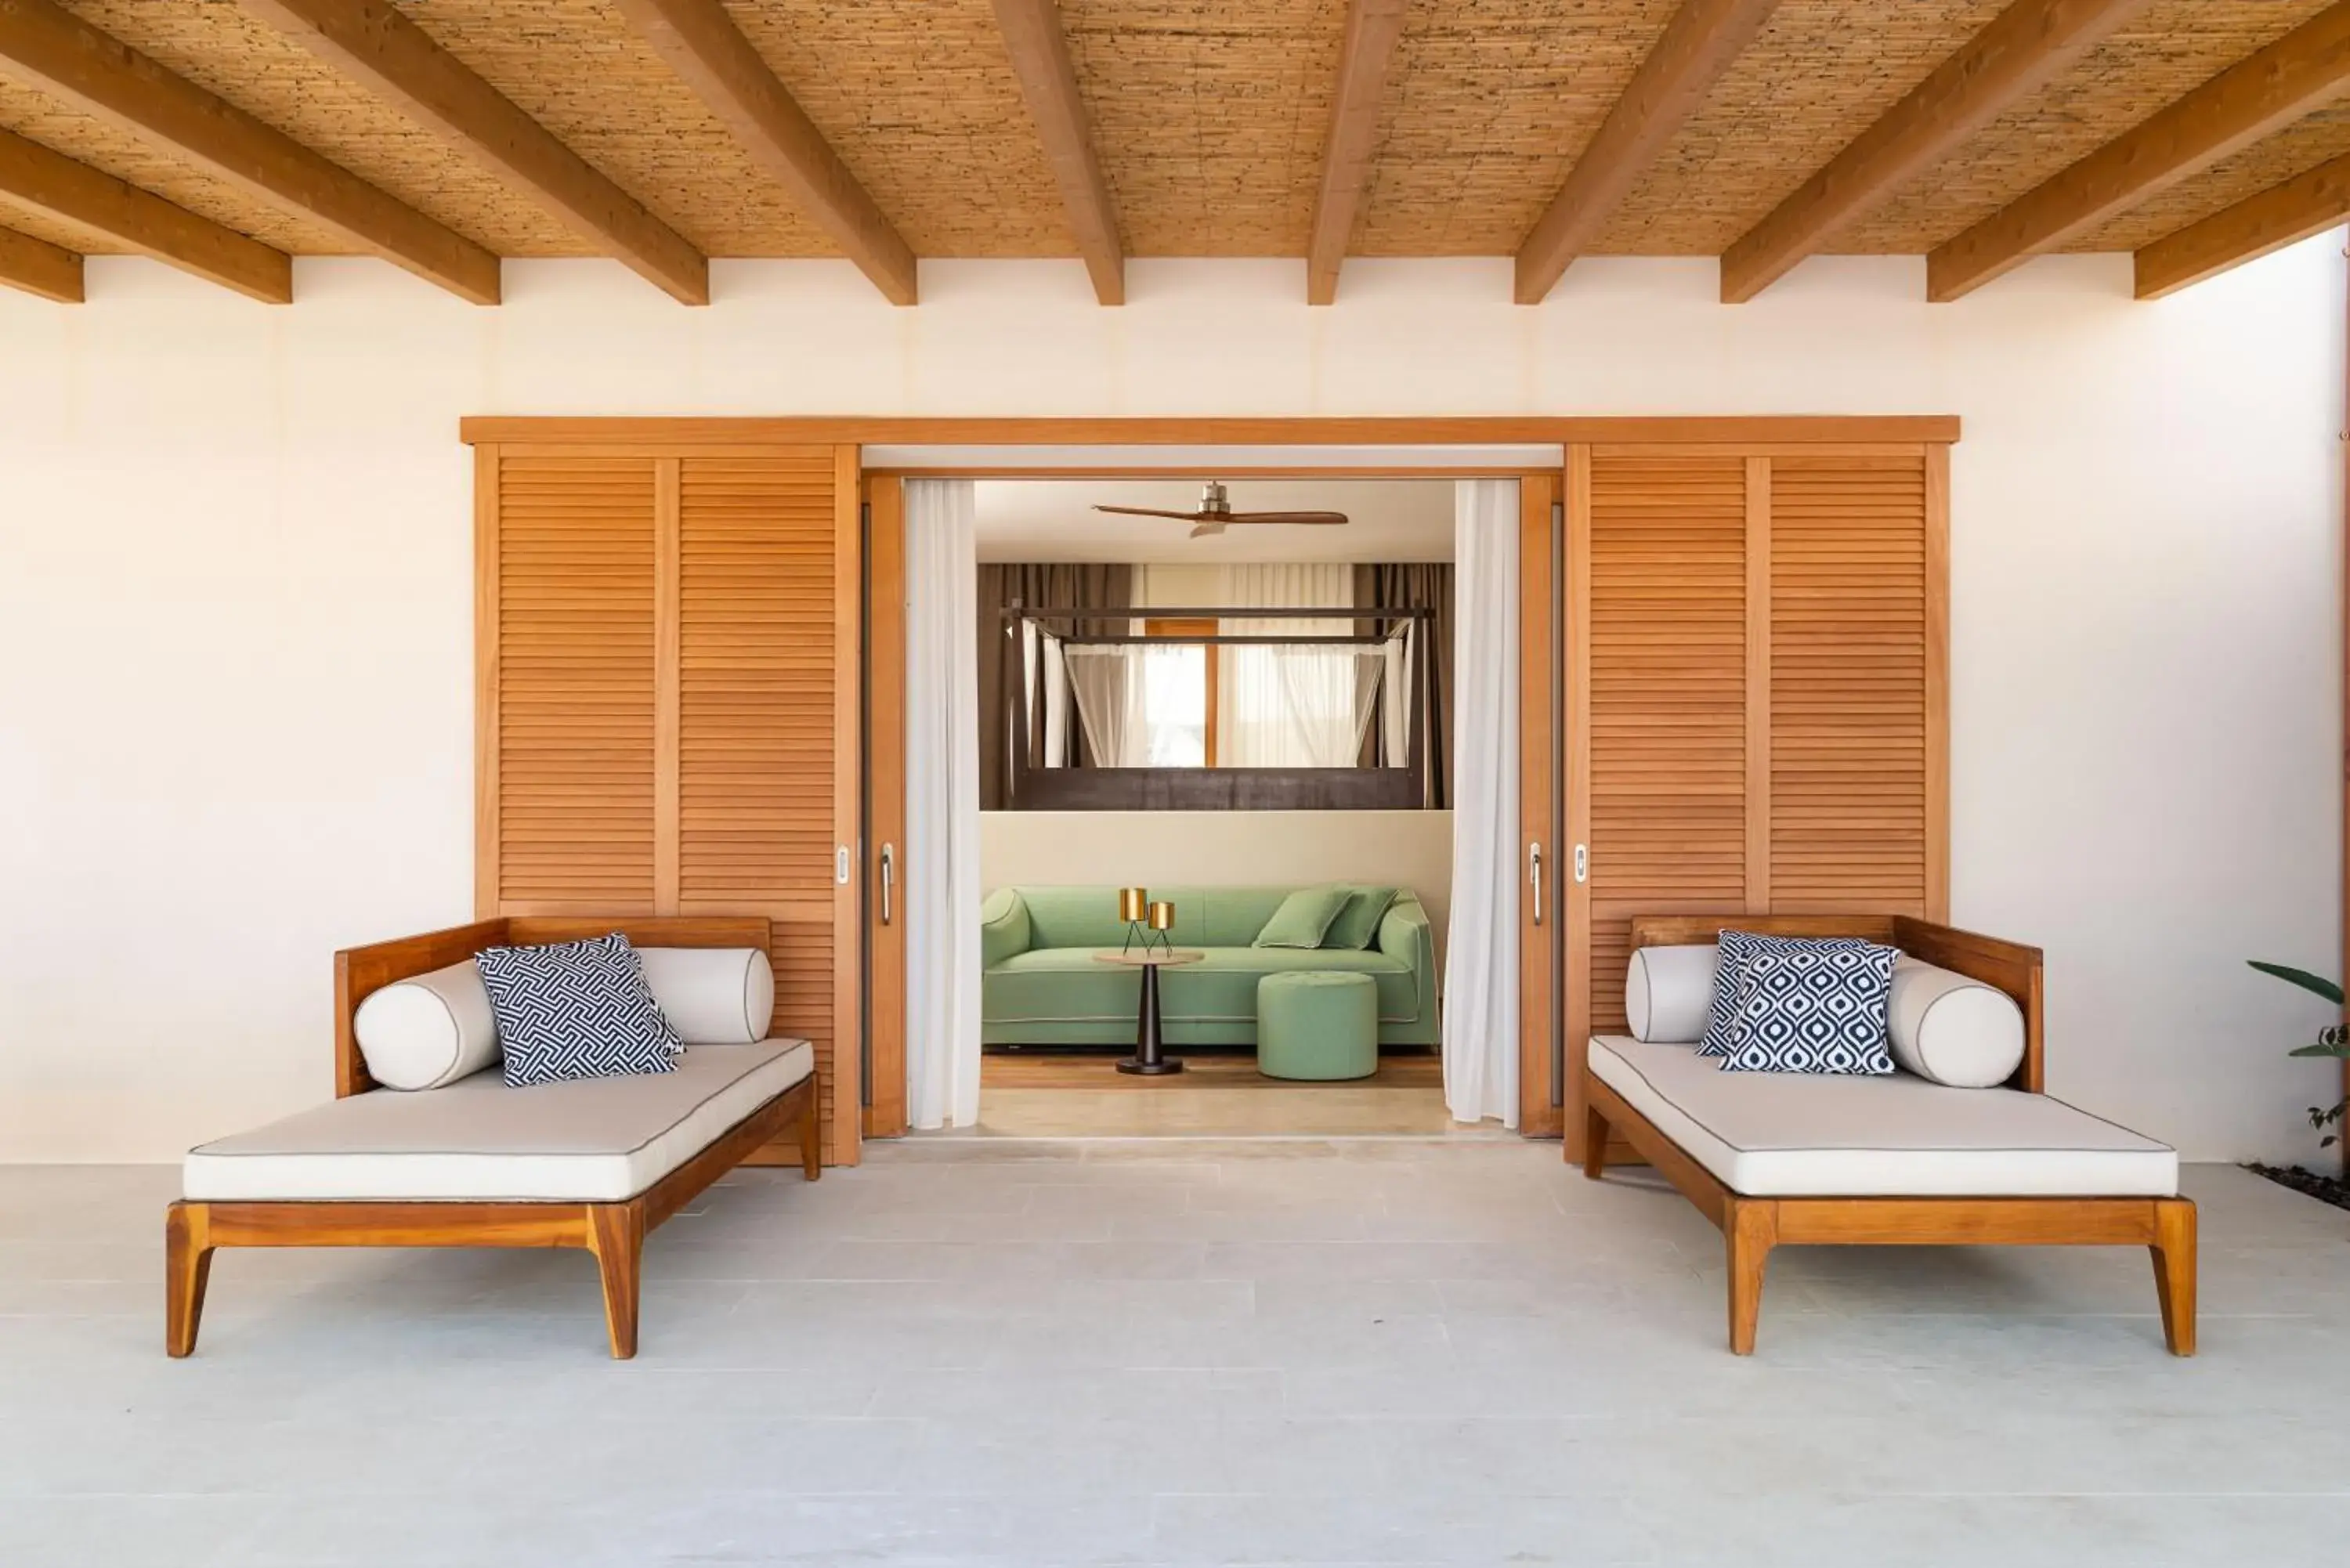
[(1179, 695)]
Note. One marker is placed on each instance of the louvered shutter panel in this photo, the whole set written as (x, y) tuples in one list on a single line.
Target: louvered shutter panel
[(1849, 712), (758, 714), (1666, 612), (570, 813)]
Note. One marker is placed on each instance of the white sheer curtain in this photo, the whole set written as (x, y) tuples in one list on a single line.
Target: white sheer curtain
[(1291, 707), (1109, 687), (1480, 965), (942, 862)]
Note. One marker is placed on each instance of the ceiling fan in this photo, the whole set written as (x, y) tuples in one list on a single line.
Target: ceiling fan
[(1215, 514)]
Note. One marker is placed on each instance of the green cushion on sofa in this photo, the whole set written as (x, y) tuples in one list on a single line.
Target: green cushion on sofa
[(1357, 925), (1303, 917)]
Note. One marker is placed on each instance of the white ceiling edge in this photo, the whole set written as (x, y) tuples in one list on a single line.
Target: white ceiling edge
[(1148, 460)]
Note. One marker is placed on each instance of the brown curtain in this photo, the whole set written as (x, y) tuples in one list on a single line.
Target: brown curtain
[(1418, 585), (1052, 584)]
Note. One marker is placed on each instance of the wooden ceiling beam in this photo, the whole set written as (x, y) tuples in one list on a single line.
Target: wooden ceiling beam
[(1048, 80), (39, 267), (35, 177), (2309, 203), (48, 47), (1373, 28), (2302, 71), (1700, 42), (376, 44), (2018, 52), (703, 45)]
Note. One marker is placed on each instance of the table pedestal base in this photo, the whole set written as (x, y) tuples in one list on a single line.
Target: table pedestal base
[(1150, 1060)]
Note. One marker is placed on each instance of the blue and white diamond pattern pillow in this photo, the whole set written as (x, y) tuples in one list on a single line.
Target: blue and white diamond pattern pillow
[(1815, 1010), (1722, 1027), (575, 1010)]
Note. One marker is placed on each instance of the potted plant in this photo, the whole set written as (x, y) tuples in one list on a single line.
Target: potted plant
[(2333, 1041)]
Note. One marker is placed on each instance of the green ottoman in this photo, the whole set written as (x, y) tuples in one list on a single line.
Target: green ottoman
[(1314, 1023)]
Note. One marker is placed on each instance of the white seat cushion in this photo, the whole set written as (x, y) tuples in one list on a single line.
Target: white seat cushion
[(1783, 1135), (591, 1141)]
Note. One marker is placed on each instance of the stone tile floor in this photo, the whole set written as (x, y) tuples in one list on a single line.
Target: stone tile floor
[(1153, 1353)]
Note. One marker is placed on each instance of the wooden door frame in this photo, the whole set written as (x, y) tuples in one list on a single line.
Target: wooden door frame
[(1544, 867), (884, 958), (677, 436)]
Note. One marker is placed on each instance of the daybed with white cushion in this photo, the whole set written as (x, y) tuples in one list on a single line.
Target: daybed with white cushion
[(457, 1157), (1805, 1159)]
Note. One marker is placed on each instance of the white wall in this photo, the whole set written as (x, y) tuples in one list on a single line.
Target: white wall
[(234, 619), (1223, 849)]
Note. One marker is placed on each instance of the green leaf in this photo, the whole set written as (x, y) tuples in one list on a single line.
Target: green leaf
[(2321, 1048), (2315, 984)]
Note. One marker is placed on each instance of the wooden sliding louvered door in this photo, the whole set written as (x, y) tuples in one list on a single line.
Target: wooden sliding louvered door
[(1757, 693), (669, 703)]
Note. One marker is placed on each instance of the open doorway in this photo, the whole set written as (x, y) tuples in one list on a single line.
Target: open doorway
[(1236, 732)]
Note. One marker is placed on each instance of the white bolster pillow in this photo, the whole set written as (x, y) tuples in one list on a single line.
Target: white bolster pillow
[(428, 1030), (1951, 1029), (712, 996), (1668, 993)]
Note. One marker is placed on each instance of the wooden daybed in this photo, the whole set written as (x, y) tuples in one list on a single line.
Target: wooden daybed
[(592, 1165), (1775, 1158)]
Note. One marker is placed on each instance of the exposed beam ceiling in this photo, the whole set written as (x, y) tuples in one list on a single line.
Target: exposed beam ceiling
[(704, 46), (1372, 29), (49, 48), (39, 267), (1697, 45), (2308, 203), (1048, 80), (32, 176), (2299, 72), (376, 44), (2016, 54)]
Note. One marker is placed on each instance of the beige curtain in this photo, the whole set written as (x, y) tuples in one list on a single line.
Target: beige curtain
[(1416, 584)]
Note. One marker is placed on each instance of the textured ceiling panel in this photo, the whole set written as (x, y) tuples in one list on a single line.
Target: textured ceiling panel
[(1209, 116), (1488, 103), (220, 45), (2174, 47), (1820, 73)]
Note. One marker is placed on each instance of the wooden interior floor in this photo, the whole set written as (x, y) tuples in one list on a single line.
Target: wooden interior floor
[(1220, 1094)]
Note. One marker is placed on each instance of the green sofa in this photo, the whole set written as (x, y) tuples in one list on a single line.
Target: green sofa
[(1043, 987)]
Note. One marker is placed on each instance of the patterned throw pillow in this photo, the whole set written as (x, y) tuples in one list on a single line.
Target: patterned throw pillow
[(1816, 1010), (1736, 947), (575, 1010)]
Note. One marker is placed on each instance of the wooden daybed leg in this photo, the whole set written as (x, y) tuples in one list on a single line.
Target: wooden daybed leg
[(187, 1269), (1750, 1229), (1594, 1143), (811, 1134), (2174, 1271), (615, 1234)]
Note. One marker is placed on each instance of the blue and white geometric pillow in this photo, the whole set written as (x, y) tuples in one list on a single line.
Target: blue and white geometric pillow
[(575, 1010), (1721, 1037), (1816, 1010)]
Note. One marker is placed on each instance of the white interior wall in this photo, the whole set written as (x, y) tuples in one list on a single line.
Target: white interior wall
[(235, 602), (1222, 848)]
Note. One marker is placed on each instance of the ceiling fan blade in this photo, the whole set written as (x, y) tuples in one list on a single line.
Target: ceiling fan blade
[(1207, 530), (1318, 519), (1149, 512)]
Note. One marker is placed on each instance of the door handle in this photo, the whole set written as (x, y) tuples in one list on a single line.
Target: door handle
[(1582, 862), (840, 865), (1533, 875), (888, 882)]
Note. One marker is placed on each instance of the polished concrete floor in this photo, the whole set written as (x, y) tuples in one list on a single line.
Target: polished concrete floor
[(1037, 1354)]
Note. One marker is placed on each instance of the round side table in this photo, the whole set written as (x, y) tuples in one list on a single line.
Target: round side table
[(1149, 1058)]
